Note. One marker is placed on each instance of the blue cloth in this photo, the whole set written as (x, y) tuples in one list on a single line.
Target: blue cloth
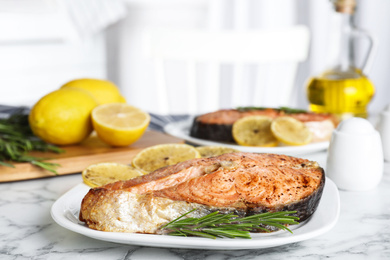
[(157, 122)]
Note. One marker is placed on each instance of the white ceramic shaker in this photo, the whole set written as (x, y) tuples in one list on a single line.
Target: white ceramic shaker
[(355, 157), (384, 130)]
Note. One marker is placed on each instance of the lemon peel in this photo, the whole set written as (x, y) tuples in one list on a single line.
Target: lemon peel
[(103, 91), (62, 117)]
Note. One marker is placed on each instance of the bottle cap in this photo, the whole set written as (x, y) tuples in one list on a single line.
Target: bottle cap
[(344, 6)]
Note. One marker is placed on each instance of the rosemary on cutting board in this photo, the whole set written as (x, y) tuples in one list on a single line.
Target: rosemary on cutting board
[(17, 140), (220, 225)]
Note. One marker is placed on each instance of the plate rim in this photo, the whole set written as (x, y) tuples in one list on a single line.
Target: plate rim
[(61, 208), (178, 129)]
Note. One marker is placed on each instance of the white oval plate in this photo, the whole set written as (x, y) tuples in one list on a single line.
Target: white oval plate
[(181, 129), (65, 212)]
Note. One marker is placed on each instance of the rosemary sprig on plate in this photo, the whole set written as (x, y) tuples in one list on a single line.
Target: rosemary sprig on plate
[(220, 225), (17, 139), (286, 110)]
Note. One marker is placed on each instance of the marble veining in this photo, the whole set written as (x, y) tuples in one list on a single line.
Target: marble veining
[(27, 230)]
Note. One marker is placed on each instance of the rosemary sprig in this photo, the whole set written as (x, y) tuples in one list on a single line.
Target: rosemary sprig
[(250, 108), (220, 225), (286, 110), (289, 110), (17, 140)]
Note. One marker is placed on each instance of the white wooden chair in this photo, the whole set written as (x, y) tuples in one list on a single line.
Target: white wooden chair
[(225, 69)]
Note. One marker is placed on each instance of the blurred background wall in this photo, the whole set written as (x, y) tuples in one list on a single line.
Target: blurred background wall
[(44, 44)]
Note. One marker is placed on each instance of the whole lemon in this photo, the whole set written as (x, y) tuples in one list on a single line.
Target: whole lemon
[(63, 117), (103, 91)]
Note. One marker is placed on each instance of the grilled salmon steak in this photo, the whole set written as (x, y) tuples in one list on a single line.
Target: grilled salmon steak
[(242, 183), (217, 126)]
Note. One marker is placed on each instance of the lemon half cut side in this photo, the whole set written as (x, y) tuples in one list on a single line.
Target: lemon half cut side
[(119, 124)]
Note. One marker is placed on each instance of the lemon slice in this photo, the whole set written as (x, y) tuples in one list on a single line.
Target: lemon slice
[(254, 131), (103, 173), (155, 157), (119, 124), (291, 131), (210, 151)]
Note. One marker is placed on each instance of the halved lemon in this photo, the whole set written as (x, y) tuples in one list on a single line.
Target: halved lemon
[(158, 156), (291, 131), (254, 131), (100, 174), (119, 124), (210, 151)]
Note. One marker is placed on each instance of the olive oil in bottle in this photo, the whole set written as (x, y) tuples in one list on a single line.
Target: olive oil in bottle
[(343, 89), (342, 94)]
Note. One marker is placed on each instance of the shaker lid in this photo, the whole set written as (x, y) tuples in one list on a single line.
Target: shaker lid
[(356, 126)]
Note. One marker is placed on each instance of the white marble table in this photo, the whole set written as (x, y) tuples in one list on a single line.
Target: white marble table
[(27, 230)]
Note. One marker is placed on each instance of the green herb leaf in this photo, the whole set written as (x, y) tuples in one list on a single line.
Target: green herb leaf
[(286, 110), (289, 110), (17, 140), (216, 225)]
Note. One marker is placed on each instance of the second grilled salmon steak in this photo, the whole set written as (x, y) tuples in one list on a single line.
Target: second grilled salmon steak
[(217, 125), (243, 183)]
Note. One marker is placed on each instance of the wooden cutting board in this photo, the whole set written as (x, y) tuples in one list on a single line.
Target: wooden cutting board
[(77, 158)]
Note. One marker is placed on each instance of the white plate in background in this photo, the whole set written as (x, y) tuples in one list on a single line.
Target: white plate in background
[(181, 129)]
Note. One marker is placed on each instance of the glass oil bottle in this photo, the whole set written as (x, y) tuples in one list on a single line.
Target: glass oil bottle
[(343, 89)]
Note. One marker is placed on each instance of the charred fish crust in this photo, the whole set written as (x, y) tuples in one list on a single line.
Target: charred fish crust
[(240, 183), (306, 207), (215, 132), (89, 199)]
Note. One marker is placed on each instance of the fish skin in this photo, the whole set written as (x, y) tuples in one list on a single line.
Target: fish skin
[(240, 183)]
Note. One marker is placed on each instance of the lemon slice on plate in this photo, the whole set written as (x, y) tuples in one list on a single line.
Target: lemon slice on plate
[(254, 131), (158, 156), (119, 124), (291, 131), (100, 174), (210, 151)]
